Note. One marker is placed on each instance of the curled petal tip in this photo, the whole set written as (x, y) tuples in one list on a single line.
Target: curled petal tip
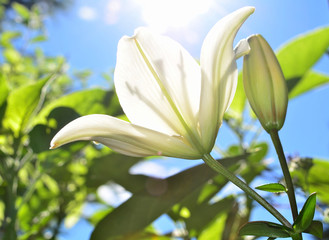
[(219, 71), (53, 145), (253, 36), (134, 36), (251, 8)]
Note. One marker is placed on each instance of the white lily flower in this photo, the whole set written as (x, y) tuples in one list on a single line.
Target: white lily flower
[(175, 106)]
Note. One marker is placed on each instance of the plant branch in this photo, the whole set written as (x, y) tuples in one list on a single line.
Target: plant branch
[(283, 162), (215, 165)]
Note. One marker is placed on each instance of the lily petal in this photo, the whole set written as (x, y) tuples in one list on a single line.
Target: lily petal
[(158, 83), (242, 48), (219, 73), (123, 137)]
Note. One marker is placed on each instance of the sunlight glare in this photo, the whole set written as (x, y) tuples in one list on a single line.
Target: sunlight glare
[(113, 8), (163, 15), (87, 13)]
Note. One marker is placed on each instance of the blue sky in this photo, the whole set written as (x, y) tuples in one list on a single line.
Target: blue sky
[(88, 32)]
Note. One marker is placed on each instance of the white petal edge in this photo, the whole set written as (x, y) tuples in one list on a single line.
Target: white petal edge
[(142, 98), (123, 137), (219, 73)]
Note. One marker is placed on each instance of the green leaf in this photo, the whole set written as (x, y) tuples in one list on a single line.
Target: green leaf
[(84, 102), (255, 164), (205, 214), (22, 104), (264, 229), (318, 180), (309, 81), (272, 187), (214, 229), (67, 108), (41, 135), (21, 10), (7, 36), (98, 215), (306, 215), (12, 56), (39, 38), (300, 54), (239, 101), (115, 167), (157, 197), (312, 176), (73, 215), (316, 229), (4, 91)]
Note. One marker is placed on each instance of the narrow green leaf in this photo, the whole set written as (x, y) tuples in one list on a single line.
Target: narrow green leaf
[(155, 199), (309, 81), (272, 187), (21, 10), (22, 104), (306, 215), (264, 229), (39, 38), (300, 54), (316, 229), (3, 89)]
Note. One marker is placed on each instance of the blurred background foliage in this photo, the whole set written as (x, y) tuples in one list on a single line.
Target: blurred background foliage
[(27, 8), (42, 190)]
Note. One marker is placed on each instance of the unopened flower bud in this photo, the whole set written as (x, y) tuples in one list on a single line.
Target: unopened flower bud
[(264, 84)]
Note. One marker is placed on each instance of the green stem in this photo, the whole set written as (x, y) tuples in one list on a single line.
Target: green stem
[(290, 187), (29, 192), (10, 210), (215, 165), (10, 216)]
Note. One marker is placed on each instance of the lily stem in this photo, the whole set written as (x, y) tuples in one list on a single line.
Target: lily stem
[(215, 165), (283, 162)]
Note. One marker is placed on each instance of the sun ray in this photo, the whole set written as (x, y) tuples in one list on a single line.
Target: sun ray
[(163, 15)]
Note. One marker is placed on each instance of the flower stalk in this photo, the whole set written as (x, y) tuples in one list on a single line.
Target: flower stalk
[(267, 93), (215, 165), (283, 162)]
